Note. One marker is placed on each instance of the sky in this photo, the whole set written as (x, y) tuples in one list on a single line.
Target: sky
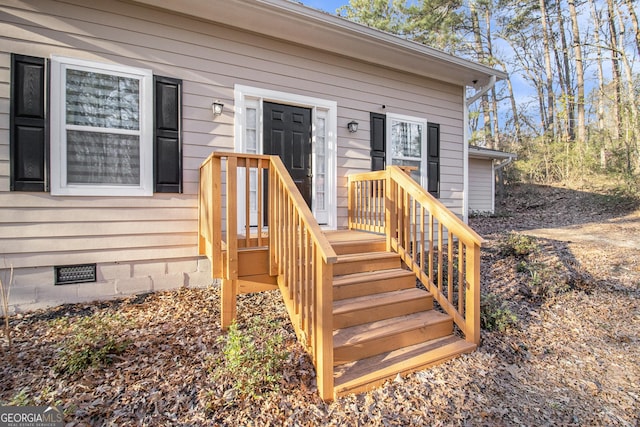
[(326, 5)]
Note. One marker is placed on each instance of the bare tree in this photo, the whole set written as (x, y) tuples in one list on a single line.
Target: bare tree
[(550, 116), (577, 51)]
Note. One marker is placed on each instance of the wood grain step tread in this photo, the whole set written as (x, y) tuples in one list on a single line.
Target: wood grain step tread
[(369, 276), (367, 256), (366, 374), (379, 300), (359, 334)]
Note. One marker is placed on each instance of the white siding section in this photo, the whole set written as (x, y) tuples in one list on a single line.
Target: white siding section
[(39, 230), (481, 185)]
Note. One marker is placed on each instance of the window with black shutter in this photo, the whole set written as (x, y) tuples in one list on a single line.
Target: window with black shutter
[(433, 159), (407, 147), (378, 141), (100, 141), (28, 124), (167, 145)]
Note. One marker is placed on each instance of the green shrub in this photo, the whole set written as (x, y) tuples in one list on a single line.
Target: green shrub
[(495, 315), (518, 245), (253, 358), (91, 342)]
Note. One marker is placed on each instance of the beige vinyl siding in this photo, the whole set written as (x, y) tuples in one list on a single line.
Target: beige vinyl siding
[(210, 59), (481, 185), (5, 65)]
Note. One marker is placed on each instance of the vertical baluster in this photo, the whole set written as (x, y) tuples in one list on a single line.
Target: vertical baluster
[(450, 260), (247, 203), (431, 250), (414, 247), (422, 236), (260, 197), (440, 253), (460, 277)]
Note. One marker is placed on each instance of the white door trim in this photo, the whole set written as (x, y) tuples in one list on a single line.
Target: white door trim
[(320, 109)]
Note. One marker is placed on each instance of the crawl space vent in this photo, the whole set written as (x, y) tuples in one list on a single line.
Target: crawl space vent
[(67, 274)]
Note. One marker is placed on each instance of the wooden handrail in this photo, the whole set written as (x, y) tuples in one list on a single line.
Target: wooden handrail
[(442, 251), (299, 253), (302, 258)]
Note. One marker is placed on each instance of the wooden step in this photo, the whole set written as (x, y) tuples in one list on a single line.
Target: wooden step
[(370, 308), (372, 282), (373, 245), (371, 372), (363, 262), (363, 341), (350, 241)]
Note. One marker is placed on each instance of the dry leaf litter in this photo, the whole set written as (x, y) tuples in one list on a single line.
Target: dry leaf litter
[(573, 357)]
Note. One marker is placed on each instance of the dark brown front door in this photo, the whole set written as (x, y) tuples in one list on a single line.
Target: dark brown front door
[(287, 133)]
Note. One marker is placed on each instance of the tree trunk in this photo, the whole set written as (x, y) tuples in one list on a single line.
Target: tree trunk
[(597, 23), (480, 54), (634, 21), (628, 104), (551, 129), (494, 101), (568, 95), (577, 50), (615, 66)]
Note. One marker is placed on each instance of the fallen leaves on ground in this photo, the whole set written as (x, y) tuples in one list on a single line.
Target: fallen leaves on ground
[(572, 359)]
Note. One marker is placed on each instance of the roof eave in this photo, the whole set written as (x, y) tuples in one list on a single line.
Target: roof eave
[(288, 20), (486, 153)]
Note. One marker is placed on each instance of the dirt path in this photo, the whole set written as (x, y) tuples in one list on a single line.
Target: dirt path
[(622, 232)]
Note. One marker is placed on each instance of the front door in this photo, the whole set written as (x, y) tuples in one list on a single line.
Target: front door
[(287, 133)]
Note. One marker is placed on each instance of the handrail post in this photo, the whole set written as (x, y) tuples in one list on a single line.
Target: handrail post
[(216, 216), (230, 283), (232, 217), (272, 219), (472, 294), (389, 210), (350, 199), (324, 329)]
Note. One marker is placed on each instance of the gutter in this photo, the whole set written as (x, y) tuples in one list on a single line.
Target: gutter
[(465, 161), (483, 90)]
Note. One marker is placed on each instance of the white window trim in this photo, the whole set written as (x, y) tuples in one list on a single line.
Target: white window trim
[(59, 185), (247, 95), (423, 145)]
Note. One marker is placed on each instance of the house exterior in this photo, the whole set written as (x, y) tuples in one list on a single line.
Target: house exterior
[(106, 115), (483, 165)]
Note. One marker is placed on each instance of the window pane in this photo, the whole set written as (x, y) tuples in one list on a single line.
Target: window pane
[(406, 139), (414, 174), (102, 100), (102, 158)]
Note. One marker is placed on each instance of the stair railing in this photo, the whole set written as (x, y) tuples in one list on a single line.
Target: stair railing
[(299, 253), (442, 251)]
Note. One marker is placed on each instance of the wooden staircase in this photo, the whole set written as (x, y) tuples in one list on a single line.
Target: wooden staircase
[(382, 323), (351, 294)]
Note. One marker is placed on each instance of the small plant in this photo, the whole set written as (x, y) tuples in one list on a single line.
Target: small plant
[(91, 342), (495, 315), (21, 399), (5, 291), (253, 358), (518, 245)]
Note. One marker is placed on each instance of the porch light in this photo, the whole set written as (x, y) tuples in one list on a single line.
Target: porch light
[(353, 126), (217, 107)]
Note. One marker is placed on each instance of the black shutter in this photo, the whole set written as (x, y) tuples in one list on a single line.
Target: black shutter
[(167, 138), (28, 130), (378, 141), (433, 159)]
